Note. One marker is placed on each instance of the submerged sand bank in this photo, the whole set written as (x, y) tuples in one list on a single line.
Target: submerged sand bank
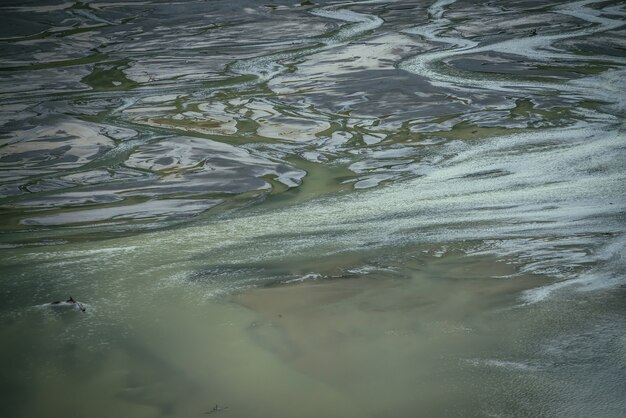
[(400, 343), (440, 337)]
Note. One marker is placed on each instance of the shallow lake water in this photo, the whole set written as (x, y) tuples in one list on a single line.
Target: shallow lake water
[(346, 209)]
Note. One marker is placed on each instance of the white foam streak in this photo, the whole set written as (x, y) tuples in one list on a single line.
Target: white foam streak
[(549, 208), (537, 48), (269, 66), (361, 23)]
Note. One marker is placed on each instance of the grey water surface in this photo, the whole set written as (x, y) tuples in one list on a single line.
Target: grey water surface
[(300, 209)]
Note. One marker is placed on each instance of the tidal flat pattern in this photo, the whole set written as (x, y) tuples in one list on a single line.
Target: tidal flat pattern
[(284, 208)]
